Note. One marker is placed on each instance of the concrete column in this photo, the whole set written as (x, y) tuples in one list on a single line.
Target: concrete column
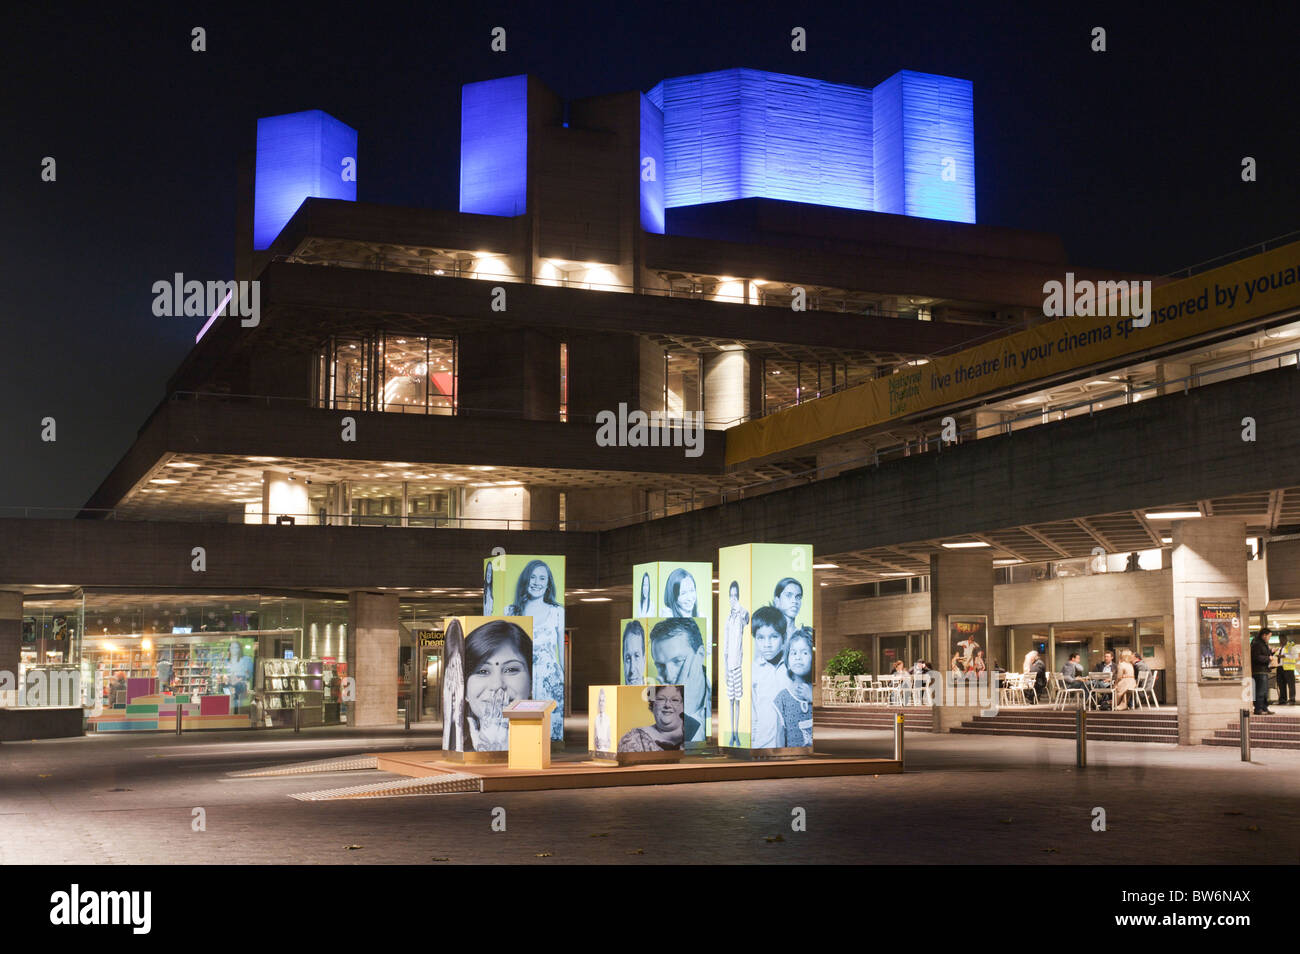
[(726, 387), (543, 508), (372, 657), (652, 381), (1172, 371), (591, 507), (283, 495), (961, 584), (11, 637), (1209, 563), (986, 423)]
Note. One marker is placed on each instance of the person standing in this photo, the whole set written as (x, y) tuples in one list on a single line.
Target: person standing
[(1260, 655), (1288, 655)]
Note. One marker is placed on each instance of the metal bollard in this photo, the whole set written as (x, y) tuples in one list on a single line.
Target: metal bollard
[(180, 715), (1081, 738), (407, 710), (1245, 735), (297, 715), (898, 737)]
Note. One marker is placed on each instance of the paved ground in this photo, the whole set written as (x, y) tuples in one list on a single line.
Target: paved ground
[(964, 799)]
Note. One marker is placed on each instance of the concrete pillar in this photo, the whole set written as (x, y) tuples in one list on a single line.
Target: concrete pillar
[(282, 494), (1209, 563), (543, 508), (986, 423), (652, 380), (726, 387), (11, 637), (372, 657), (589, 508), (961, 584), (597, 646), (1172, 371), (494, 508)]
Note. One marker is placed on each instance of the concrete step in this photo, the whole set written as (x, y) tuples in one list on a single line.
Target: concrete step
[(1255, 743), (1169, 738)]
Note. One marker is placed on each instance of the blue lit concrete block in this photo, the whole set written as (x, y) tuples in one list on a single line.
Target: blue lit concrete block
[(299, 156), (494, 146), (740, 133), (651, 172), (924, 126)]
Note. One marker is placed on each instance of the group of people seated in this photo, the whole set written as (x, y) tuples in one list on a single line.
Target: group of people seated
[(1121, 676)]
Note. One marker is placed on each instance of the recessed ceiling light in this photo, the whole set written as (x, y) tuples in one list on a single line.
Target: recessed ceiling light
[(969, 545), (262, 460), (164, 480), (181, 463), (820, 566), (1171, 514)]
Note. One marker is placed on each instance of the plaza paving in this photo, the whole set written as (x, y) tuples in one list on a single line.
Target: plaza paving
[(963, 799)]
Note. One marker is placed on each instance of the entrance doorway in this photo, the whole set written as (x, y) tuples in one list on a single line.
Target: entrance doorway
[(430, 647)]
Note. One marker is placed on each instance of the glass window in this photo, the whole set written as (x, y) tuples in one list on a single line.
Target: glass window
[(388, 372)]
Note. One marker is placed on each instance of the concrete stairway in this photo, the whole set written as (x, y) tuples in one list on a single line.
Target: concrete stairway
[(915, 718), (1266, 732), (1150, 725)]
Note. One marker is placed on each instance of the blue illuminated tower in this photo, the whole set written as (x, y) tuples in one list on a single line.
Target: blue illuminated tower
[(299, 155), (925, 146)]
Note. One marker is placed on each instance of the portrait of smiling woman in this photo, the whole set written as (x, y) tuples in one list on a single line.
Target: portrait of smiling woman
[(535, 596), (669, 728), (680, 595), (498, 672)]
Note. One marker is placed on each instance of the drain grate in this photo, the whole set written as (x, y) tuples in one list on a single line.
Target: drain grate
[(350, 763), (445, 784)]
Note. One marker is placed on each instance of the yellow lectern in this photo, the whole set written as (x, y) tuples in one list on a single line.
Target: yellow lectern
[(530, 734)]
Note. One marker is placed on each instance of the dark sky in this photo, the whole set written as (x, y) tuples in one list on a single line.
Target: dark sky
[(1132, 156)]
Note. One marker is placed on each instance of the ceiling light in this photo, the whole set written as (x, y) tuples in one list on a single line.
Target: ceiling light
[(594, 599), (1166, 539), (1171, 514), (181, 463), (1004, 562), (820, 566), (971, 544), (262, 460), (164, 480)]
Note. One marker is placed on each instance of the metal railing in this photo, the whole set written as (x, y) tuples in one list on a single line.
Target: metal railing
[(842, 304)]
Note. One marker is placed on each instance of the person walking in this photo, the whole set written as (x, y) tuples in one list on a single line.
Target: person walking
[(1260, 656)]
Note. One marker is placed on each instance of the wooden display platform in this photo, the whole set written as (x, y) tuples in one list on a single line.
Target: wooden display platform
[(583, 773)]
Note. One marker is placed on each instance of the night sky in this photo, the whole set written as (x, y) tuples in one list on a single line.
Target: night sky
[(1133, 156)]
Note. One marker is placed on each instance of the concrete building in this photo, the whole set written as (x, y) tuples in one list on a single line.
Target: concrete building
[(419, 387)]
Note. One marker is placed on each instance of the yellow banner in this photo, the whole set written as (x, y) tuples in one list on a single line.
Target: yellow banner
[(1224, 296)]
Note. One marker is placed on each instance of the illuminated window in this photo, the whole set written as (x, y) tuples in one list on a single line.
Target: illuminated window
[(406, 374)]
